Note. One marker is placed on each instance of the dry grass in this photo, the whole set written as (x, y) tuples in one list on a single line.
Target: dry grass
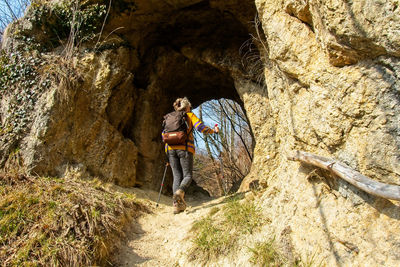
[(57, 222)]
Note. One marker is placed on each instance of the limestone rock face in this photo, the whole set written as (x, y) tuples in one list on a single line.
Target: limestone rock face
[(78, 134), (331, 71), (106, 122)]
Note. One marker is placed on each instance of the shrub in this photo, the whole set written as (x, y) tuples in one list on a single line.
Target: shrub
[(65, 18)]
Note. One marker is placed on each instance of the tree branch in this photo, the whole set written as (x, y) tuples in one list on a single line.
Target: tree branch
[(355, 178), (241, 138), (10, 10)]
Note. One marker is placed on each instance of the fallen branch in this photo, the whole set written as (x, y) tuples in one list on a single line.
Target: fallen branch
[(355, 178)]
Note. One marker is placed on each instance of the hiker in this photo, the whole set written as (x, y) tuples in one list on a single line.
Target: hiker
[(180, 152)]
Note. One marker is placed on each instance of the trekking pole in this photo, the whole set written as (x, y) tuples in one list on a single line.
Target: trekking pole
[(162, 183)]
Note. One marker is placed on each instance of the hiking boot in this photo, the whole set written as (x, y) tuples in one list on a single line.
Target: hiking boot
[(178, 201), (179, 206), (181, 194), (176, 207)]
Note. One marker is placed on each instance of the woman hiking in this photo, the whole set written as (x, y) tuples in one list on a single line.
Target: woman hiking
[(180, 155)]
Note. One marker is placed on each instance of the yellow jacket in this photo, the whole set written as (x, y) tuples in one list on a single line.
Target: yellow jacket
[(193, 122)]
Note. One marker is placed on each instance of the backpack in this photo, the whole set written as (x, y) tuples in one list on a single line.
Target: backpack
[(175, 128)]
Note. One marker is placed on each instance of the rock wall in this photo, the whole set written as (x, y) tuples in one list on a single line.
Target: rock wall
[(332, 73), (105, 121)]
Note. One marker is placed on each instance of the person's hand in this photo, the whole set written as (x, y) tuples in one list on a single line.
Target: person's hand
[(216, 129)]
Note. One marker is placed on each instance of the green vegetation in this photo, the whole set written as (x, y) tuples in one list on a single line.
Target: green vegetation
[(217, 235), (220, 232), (309, 261), (243, 216), (19, 75), (265, 254), (67, 19), (210, 239), (57, 222), (26, 71), (16, 68)]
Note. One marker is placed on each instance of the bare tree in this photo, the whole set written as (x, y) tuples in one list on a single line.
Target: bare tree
[(11, 10), (230, 152)]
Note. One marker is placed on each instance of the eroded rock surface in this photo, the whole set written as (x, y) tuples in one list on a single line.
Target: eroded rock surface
[(333, 89), (107, 123)]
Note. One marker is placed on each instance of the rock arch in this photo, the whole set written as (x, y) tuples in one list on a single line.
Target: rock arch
[(151, 53), (195, 53)]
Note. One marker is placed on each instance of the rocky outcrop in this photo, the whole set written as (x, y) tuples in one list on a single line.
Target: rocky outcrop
[(333, 89), (331, 71), (107, 122)]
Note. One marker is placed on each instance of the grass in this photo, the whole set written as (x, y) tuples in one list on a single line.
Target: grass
[(217, 235), (309, 261), (57, 222), (265, 254), (220, 232), (210, 239), (243, 216)]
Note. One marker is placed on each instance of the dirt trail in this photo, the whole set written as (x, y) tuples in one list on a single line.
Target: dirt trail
[(159, 238)]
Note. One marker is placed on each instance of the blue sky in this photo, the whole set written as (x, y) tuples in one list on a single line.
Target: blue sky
[(208, 122), (6, 15), (14, 4)]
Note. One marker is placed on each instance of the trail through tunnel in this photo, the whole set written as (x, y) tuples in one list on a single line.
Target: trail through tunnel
[(195, 51)]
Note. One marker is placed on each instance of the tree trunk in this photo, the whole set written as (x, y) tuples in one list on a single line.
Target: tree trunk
[(346, 173)]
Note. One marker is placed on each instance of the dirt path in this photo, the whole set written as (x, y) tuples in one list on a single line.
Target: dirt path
[(159, 238)]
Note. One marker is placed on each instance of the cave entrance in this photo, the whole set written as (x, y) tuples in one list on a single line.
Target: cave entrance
[(193, 51)]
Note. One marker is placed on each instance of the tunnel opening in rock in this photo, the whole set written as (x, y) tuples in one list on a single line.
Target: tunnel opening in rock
[(195, 51), (223, 160)]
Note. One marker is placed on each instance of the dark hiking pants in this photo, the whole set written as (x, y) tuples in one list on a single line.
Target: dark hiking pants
[(181, 162)]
